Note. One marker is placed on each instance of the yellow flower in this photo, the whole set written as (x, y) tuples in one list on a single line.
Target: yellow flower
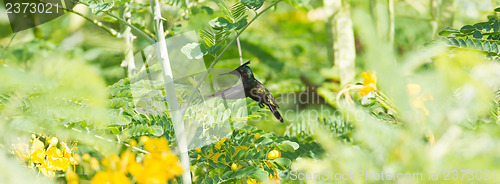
[(158, 166), (110, 177), (54, 152), (417, 100), (72, 177), (94, 164), (156, 145), (274, 154), (369, 84), (257, 136), (53, 141), (274, 179), (38, 156), (218, 144), (61, 164), (37, 145), (46, 170), (48, 160), (21, 150), (252, 181)]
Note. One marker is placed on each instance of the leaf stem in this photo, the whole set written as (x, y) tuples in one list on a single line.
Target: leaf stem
[(141, 33), (8, 44)]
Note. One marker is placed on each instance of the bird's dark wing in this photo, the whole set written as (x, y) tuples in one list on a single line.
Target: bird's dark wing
[(268, 99), (235, 92), (272, 101)]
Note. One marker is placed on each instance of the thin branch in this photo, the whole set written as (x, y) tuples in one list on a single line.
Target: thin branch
[(113, 141), (390, 8), (8, 44), (141, 33), (239, 50), (98, 24)]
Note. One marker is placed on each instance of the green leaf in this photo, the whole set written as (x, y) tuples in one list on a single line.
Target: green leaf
[(238, 25), (294, 145), (477, 35), (497, 9), (260, 175), (479, 45), (462, 43), (495, 26), (260, 155), (254, 4), (249, 154), (242, 172), (447, 31), (478, 26), (226, 175), (114, 130), (470, 43), (237, 11), (487, 27), (487, 46), (192, 51), (239, 154), (158, 130), (282, 163), (216, 178), (494, 47), (219, 23), (455, 42), (207, 9), (296, 3), (467, 29), (100, 7)]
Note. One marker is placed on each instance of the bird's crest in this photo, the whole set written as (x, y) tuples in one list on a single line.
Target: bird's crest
[(244, 65)]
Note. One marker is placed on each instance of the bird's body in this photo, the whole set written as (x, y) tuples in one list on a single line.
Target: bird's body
[(252, 88)]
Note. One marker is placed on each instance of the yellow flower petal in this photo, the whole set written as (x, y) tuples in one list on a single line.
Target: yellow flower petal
[(369, 84), (110, 177), (53, 141), (38, 156), (54, 152), (37, 145)]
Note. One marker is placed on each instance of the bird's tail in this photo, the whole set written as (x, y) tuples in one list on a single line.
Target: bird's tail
[(276, 113)]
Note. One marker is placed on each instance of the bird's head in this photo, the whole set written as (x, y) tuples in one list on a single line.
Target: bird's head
[(242, 70)]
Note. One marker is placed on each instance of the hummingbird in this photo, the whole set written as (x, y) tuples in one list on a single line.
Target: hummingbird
[(252, 88)]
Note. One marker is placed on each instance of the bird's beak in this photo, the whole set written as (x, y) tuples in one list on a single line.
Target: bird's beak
[(234, 72)]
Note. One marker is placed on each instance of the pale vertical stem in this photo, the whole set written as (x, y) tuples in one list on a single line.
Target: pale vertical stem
[(390, 8), (344, 50), (446, 13), (239, 49), (176, 115), (434, 8), (129, 40)]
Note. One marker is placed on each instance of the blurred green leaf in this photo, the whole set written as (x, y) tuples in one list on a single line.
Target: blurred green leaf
[(467, 29)]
